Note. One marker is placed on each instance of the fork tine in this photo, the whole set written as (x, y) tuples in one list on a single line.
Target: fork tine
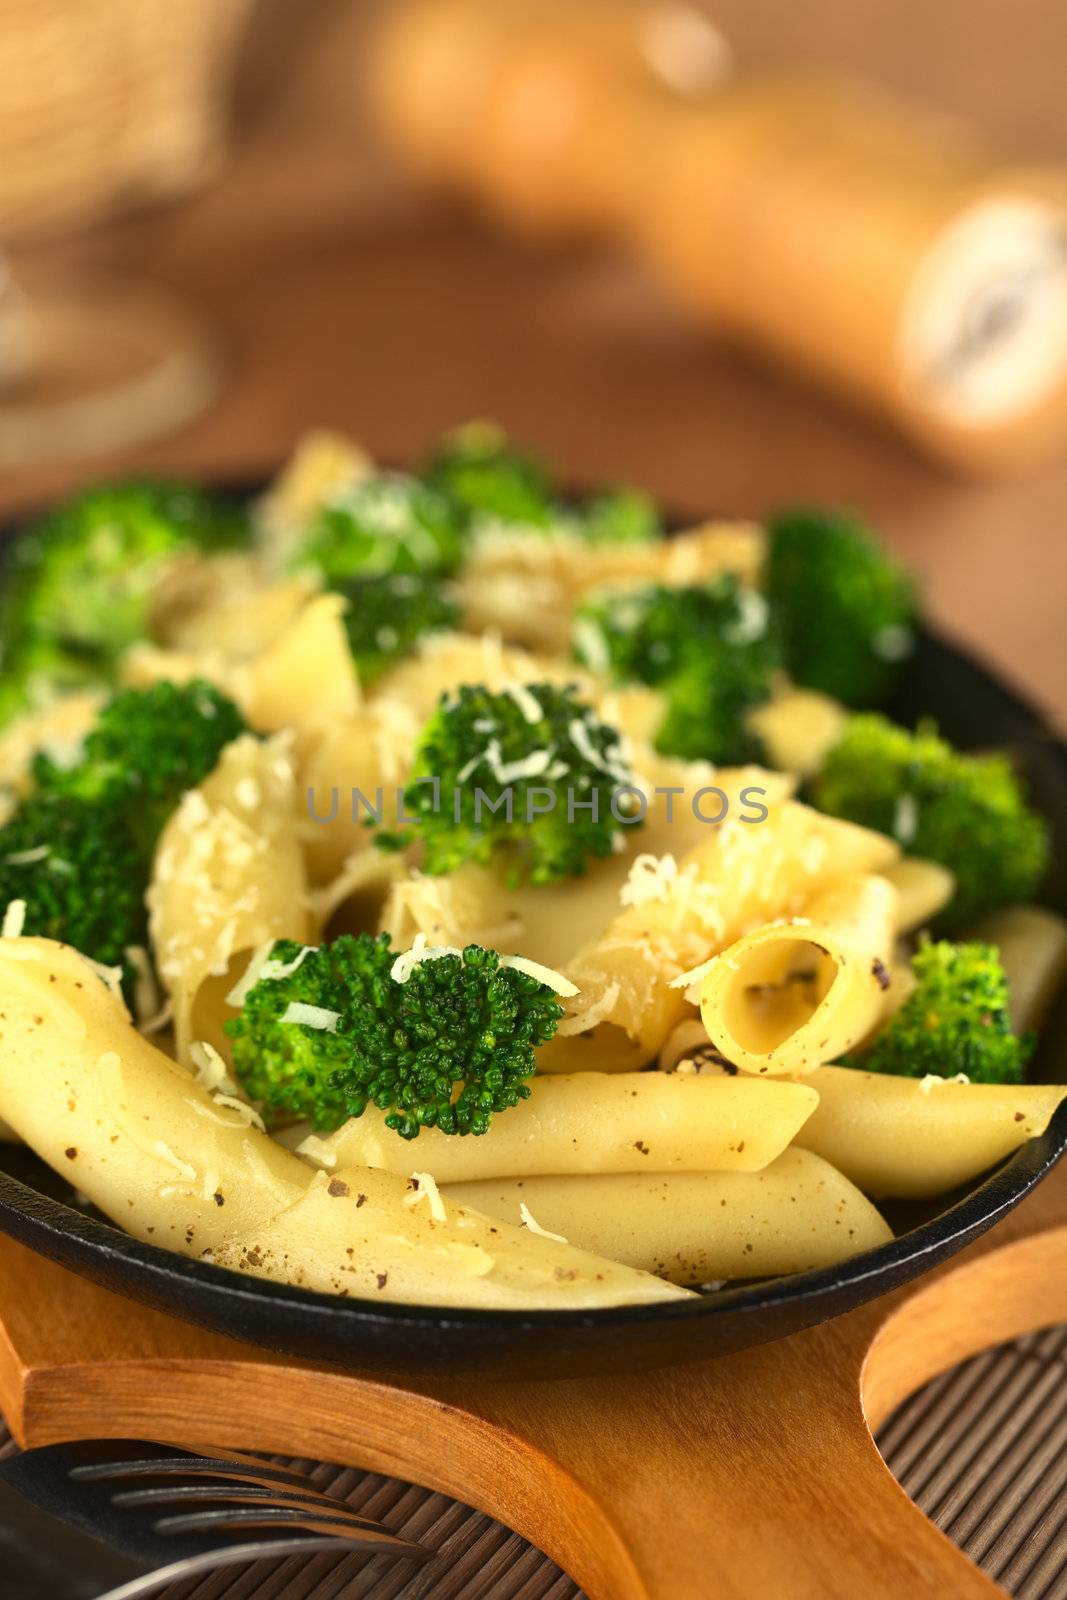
[(236, 1467), (240, 1518), (176, 1494)]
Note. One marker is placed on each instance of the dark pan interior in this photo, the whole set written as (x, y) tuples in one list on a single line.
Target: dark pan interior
[(38, 1208)]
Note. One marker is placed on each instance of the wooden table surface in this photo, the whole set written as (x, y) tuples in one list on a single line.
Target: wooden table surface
[(343, 298)]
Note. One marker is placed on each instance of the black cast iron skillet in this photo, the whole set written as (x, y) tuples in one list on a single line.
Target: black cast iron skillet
[(36, 1206)]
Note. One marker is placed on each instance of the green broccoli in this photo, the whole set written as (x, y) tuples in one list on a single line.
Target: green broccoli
[(479, 471), (387, 617), (967, 812), (493, 485), (150, 745), (78, 849), (956, 1020), (388, 523), (325, 1032), (80, 872), (80, 581), (620, 516), (530, 772), (845, 609), (708, 649)]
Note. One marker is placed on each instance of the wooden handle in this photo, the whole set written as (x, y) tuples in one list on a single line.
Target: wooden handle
[(871, 245), (754, 1474)]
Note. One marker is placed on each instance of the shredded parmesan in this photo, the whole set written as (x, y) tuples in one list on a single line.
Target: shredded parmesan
[(654, 878), (247, 1113), (529, 1221), (25, 858), (694, 976), (209, 1067), (285, 969), (256, 962), (547, 975), (933, 1078), (317, 1151), (14, 920), (423, 1186), (311, 1016), (527, 702), (146, 997), (420, 951)]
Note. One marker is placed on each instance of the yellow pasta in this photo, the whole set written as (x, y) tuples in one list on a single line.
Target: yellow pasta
[(799, 728), (228, 876), (743, 876), (1033, 951), (796, 994), (923, 889), (599, 1122), (698, 1227), (914, 1137), (179, 1166)]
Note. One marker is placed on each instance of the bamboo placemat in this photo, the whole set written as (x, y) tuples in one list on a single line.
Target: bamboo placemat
[(983, 1451)]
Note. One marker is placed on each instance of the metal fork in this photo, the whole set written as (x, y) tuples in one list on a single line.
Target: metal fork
[(221, 1506)]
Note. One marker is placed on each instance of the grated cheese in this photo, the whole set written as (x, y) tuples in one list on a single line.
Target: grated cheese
[(146, 997), (285, 969), (527, 702), (209, 1067), (547, 975), (256, 962), (14, 920), (318, 1151), (25, 858), (311, 1016), (423, 1186), (654, 878), (529, 1221), (933, 1078), (420, 951)]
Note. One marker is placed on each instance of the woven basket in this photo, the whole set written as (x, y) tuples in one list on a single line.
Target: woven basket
[(108, 102)]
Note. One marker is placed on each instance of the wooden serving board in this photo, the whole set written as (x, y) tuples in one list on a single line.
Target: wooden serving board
[(752, 1475)]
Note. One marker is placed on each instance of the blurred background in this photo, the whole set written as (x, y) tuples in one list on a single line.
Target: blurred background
[(612, 225)]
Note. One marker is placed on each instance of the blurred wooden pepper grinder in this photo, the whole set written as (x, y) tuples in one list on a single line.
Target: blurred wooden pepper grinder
[(877, 248)]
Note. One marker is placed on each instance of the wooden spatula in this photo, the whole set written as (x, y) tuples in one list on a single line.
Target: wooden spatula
[(754, 1475)]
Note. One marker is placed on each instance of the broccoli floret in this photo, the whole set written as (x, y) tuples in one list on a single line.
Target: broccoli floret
[(80, 872), (709, 649), (148, 746), (494, 485), (387, 617), (956, 1020), (530, 772), (845, 609), (621, 516), (326, 1032), (388, 523), (488, 480), (967, 812), (78, 850), (80, 581)]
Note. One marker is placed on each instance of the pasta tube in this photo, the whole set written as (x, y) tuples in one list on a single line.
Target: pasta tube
[(1033, 952), (598, 1122), (744, 875), (909, 1138), (798, 727), (795, 994), (923, 889), (228, 876), (695, 1227), (175, 1165)]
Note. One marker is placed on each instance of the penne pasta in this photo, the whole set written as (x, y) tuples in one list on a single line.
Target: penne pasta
[(796, 994), (1033, 951), (741, 877), (598, 1122), (796, 1215), (798, 727), (179, 1166), (228, 876), (910, 1138), (923, 889)]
